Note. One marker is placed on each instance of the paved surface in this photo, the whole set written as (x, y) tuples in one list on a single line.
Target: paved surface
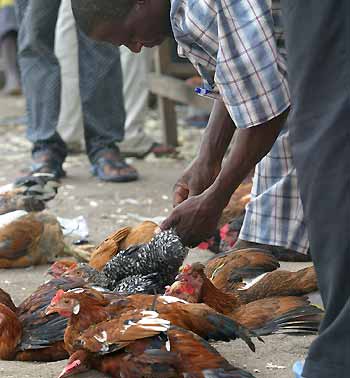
[(107, 207)]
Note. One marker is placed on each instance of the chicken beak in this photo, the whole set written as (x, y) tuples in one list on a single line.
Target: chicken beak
[(50, 310)]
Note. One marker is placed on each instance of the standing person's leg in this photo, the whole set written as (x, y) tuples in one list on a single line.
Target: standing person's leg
[(8, 48), (135, 69), (101, 92), (318, 35), (70, 123), (41, 82)]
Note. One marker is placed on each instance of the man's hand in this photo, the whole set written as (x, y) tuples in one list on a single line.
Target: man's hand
[(195, 219), (195, 180)]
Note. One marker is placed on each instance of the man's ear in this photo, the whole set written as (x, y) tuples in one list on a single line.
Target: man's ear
[(140, 3)]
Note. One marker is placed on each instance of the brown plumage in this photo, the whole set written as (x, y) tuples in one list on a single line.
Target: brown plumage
[(120, 240), (176, 354), (10, 333), (282, 283), (255, 310), (87, 308), (38, 337), (32, 239), (227, 270), (134, 338), (6, 300), (237, 203)]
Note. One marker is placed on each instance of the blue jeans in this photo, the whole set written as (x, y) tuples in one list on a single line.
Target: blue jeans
[(100, 82)]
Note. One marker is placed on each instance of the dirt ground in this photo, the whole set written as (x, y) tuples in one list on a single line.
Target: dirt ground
[(106, 207)]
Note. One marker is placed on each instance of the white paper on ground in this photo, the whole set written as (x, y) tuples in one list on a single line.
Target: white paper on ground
[(76, 226)]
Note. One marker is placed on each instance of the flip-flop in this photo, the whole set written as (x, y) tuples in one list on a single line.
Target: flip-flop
[(98, 170)]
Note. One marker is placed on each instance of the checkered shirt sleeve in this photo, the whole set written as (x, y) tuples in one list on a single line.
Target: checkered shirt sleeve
[(236, 39)]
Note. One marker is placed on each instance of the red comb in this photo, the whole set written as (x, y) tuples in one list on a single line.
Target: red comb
[(57, 297)]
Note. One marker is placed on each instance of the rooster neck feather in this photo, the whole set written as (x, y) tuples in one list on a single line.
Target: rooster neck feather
[(222, 302)]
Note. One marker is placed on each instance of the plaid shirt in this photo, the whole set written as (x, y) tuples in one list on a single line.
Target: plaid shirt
[(275, 213), (237, 40), (242, 42)]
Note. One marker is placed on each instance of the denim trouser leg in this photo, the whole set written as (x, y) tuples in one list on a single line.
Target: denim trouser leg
[(40, 70), (101, 91)]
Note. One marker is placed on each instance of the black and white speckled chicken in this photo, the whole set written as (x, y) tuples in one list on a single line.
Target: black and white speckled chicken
[(163, 255), (28, 193), (136, 284)]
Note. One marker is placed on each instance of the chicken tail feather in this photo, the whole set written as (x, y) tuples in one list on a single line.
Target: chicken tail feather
[(300, 321)]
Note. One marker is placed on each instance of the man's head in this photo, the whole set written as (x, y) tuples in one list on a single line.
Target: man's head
[(133, 23)]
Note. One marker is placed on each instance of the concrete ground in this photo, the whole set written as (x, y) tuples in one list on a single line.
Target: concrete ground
[(107, 207)]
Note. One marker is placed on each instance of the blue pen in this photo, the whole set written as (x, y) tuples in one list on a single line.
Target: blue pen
[(207, 93)]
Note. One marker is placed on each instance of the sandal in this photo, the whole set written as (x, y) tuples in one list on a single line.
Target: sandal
[(102, 163), (46, 162)]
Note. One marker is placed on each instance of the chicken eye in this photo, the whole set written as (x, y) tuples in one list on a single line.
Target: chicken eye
[(66, 301)]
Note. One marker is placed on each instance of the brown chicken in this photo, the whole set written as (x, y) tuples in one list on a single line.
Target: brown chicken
[(28, 193), (60, 267), (38, 337), (89, 308), (262, 315), (227, 270), (121, 240), (32, 239), (133, 343), (176, 354), (237, 203)]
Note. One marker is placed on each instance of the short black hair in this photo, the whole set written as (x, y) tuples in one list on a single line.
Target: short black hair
[(89, 13)]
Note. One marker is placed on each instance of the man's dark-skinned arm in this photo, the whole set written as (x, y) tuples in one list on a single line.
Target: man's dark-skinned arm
[(204, 169), (197, 217)]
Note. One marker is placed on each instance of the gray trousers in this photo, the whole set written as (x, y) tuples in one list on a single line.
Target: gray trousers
[(100, 81), (318, 44)]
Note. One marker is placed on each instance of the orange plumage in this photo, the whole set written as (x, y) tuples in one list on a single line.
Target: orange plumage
[(32, 239), (120, 240)]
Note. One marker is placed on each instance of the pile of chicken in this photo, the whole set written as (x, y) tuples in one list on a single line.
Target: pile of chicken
[(130, 312), (124, 333)]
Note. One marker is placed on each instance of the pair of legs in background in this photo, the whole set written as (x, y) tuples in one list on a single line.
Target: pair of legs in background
[(100, 84), (135, 68), (318, 35)]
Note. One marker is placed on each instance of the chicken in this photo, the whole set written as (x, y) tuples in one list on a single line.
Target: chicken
[(174, 354), (30, 239), (227, 270), (99, 312), (280, 283), (271, 284), (120, 240), (137, 340), (273, 313), (28, 193), (59, 267), (163, 255), (237, 204), (38, 338)]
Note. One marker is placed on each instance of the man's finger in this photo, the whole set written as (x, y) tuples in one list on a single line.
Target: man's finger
[(170, 222), (181, 193)]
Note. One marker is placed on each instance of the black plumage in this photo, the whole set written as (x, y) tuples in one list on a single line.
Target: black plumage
[(148, 284), (163, 255)]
